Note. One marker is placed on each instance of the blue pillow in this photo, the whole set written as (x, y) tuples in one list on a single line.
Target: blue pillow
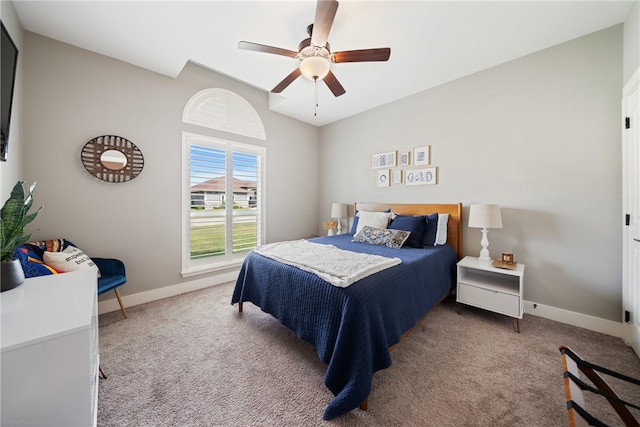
[(32, 264), (414, 224), (354, 226), (431, 227)]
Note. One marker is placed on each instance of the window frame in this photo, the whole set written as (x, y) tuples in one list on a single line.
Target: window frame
[(192, 267)]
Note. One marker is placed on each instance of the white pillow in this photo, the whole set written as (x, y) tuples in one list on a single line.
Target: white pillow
[(70, 259), (372, 219), (441, 231)]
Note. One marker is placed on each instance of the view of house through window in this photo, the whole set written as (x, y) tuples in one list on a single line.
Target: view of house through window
[(225, 199)]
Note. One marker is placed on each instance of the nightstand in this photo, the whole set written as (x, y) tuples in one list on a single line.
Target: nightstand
[(491, 288)]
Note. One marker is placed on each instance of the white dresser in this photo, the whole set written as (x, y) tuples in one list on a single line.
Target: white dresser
[(49, 365)]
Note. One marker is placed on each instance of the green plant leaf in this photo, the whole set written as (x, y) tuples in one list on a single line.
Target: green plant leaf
[(14, 216)]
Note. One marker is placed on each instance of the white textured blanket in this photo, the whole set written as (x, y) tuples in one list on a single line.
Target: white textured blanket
[(337, 266)]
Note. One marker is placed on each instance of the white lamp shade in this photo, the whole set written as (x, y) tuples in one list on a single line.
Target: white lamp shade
[(315, 67), (338, 210), (485, 216)]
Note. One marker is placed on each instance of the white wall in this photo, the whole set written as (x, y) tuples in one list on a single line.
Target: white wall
[(631, 43), (11, 170), (540, 136), (72, 95)]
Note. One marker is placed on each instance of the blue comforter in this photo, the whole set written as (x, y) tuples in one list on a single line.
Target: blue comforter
[(352, 328)]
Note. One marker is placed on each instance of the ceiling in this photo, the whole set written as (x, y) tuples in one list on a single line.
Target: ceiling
[(432, 42)]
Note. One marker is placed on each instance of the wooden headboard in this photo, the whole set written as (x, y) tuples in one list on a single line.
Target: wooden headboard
[(454, 226)]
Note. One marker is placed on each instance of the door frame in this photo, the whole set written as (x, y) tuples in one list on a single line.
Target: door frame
[(630, 291)]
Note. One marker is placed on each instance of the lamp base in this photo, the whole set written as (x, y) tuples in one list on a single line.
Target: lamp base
[(484, 252)]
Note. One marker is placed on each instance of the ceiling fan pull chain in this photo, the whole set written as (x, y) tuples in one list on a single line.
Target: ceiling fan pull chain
[(315, 108)]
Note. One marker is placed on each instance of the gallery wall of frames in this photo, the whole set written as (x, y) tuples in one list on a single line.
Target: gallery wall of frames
[(404, 167)]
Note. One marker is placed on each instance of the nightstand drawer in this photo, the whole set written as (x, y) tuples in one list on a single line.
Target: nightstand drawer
[(499, 302)]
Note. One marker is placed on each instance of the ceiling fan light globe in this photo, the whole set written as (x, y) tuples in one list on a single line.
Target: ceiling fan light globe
[(315, 67)]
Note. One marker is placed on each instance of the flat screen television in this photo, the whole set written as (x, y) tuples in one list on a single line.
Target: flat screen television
[(8, 65)]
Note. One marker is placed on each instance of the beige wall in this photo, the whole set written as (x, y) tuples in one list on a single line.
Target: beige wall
[(74, 95), (540, 136)]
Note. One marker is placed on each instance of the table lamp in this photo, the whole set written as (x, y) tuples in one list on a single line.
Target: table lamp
[(339, 211), (485, 216)]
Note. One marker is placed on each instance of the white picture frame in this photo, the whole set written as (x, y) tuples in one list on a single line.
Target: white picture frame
[(422, 156), (383, 160), (405, 158), (382, 178), (423, 176), (396, 177)]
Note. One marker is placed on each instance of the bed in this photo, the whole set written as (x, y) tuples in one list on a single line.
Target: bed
[(354, 328)]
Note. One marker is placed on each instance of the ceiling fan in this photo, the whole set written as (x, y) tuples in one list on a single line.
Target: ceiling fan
[(314, 53)]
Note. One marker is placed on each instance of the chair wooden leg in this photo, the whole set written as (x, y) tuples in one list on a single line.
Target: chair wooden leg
[(120, 302)]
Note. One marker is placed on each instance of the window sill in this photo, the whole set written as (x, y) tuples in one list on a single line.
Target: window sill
[(211, 268)]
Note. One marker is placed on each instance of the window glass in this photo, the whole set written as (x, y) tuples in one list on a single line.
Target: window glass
[(223, 190)]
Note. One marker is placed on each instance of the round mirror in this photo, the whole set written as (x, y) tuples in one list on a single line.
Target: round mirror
[(113, 159)]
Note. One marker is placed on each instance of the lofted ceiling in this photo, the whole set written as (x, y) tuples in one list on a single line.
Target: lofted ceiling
[(432, 42)]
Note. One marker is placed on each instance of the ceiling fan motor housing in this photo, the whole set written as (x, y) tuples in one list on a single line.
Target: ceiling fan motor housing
[(306, 50)]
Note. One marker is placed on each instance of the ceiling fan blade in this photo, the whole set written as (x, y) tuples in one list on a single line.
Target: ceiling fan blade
[(363, 55), (266, 49), (286, 81), (325, 13), (333, 84)]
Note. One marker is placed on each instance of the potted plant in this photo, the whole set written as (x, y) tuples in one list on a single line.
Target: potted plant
[(13, 218)]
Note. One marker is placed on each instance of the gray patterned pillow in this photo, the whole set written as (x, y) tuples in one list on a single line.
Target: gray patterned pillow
[(382, 236)]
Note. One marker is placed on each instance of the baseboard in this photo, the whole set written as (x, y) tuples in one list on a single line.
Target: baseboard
[(586, 321), (166, 292)]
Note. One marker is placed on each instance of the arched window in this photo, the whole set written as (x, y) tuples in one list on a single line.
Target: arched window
[(223, 179), (223, 110)]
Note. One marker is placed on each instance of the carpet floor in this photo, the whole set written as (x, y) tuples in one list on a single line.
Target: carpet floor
[(193, 360)]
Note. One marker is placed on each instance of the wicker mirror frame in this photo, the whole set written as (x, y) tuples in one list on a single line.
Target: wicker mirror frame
[(93, 151)]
